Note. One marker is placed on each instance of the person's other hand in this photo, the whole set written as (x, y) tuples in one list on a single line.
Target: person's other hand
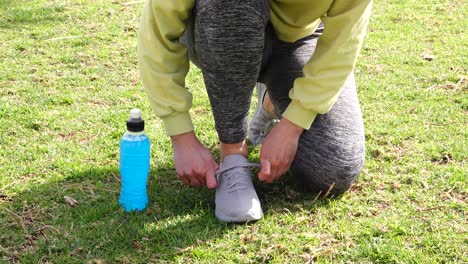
[(278, 150), (194, 163)]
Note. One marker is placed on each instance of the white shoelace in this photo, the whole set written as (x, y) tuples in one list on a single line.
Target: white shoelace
[(235, 183)]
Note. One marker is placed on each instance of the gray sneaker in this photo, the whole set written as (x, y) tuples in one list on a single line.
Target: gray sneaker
[(262, 122), (236, 199)]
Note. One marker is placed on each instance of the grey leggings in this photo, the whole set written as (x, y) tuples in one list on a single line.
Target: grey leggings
[(234, 45)]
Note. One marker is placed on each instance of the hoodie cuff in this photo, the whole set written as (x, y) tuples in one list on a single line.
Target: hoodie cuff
[(299, 115), (178, 124)]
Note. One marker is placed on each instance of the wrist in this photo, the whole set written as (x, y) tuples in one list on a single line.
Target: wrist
[(293, 128), (183, 138)]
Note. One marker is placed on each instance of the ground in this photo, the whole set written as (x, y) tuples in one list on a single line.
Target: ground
[(69, 76)]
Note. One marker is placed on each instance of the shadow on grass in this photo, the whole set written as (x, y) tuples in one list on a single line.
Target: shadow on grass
[(43, 226)]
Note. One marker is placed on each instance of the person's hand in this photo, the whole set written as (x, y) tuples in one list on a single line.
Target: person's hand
[(278, 150), (194, 163)]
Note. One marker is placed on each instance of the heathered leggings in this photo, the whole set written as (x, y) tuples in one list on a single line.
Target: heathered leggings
[(234, 45)]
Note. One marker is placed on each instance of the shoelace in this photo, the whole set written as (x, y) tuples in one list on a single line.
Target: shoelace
[(235, 183)]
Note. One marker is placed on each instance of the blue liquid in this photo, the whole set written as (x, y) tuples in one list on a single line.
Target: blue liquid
[(134, 169)]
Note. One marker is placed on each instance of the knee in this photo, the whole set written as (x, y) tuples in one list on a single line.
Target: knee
[(230, 35), (233, 10), (325, 177), (223, 20)]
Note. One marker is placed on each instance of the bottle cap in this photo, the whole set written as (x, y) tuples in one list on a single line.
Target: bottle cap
[(135, 113), (135, 123)]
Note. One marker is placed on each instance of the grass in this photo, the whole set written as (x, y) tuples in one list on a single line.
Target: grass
[(68, 77)]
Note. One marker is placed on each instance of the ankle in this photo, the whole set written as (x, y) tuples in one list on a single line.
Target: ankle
[(233, 149), (268, 105)]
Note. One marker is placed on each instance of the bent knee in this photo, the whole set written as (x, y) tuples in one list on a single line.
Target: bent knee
[(231, 17), (327, 179), (231, 39), (233, 9)]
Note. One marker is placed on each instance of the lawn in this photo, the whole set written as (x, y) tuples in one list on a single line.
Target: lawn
[(69, 76)]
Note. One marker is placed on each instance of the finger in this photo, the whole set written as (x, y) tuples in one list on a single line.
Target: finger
[(202, 180), (184, 179), (275, 172), (272, 177), (201, 177), (195, 182), (278, 170), (216, 166), (192, 178), (211, 182), (265, 171)]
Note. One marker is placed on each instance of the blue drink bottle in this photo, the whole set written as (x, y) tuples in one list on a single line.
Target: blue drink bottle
[(134, 164)]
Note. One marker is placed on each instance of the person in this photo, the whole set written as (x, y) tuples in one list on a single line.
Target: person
[(299, 54)]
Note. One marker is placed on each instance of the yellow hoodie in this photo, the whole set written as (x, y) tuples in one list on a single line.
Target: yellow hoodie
[(164, 63)]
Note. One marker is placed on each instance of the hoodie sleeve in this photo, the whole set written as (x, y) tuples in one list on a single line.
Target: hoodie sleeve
[(164, 63), (332, 63)]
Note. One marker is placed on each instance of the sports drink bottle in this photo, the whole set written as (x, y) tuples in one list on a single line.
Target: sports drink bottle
[(134, 164)]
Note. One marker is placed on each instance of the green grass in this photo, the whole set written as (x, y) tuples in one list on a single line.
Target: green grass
[(68, 77)]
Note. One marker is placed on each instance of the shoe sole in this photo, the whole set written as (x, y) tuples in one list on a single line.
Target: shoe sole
[(239, 219)]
